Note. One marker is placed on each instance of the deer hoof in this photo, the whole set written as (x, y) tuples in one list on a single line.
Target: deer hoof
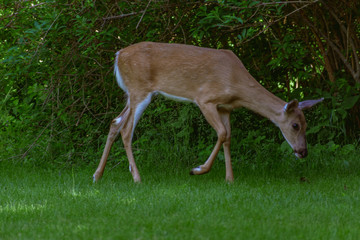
[(229, 180), (96, 177), (137, 180), (196, 171)]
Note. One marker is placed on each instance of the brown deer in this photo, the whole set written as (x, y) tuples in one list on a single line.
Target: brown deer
[(215, 80)]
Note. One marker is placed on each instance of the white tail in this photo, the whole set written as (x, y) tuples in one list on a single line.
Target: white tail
[(215, 80)]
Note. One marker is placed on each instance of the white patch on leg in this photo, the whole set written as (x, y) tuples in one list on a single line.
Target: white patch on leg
[(130, 168), (140, 108), (118, 120), (119, 79), (197, 169)]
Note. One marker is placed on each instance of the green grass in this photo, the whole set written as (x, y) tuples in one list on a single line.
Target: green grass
[(36, 203)]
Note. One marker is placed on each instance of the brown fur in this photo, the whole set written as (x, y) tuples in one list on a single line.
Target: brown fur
[(215, 80)]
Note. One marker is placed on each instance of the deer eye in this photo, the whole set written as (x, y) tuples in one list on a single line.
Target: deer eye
[(295, 126)]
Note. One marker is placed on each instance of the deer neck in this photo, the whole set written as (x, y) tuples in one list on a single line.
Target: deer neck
[(257, 99)]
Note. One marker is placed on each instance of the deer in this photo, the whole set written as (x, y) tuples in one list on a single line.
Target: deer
[(214, 79)]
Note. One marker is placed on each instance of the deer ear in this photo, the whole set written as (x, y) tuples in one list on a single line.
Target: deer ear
[(309, 103), (290, 106)]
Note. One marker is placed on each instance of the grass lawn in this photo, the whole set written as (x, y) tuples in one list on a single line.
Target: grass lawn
[(36, 203)]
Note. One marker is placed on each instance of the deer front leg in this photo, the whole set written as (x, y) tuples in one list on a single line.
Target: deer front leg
[(213, 116), (229, 172), (225, 117), (206, 167)]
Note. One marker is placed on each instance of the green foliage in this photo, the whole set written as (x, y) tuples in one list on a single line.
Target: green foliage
[(58, 94), (333, 116), (248, 18)]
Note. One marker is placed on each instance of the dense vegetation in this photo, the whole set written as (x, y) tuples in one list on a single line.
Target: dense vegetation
[(58, 94)]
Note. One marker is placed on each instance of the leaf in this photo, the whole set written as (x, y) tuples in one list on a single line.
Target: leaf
[(37, 25), (285, 147), (348, 149), (239, 19), (253, 3), (314, 129), (333, 117), (243, 34), (349, 102)]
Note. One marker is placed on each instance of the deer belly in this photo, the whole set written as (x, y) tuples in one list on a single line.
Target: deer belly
[(175, 98)]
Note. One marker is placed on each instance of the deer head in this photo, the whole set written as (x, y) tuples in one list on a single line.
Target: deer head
[(293, 125)]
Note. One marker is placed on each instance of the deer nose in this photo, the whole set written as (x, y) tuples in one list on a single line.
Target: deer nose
[(302, 153)]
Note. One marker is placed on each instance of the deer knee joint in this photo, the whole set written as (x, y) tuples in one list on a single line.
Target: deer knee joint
[(222, 135)]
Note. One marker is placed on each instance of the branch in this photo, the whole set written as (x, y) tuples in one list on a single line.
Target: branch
[(37, 138), (43, 39), (338, 51), (143, 14), (286, 2), (275, 3), (354, 72), (123, 15), (279, 19)]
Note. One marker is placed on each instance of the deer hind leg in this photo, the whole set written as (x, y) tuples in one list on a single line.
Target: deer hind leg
[(214, 117), (115, 127), (225, 117), (137, 106)]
